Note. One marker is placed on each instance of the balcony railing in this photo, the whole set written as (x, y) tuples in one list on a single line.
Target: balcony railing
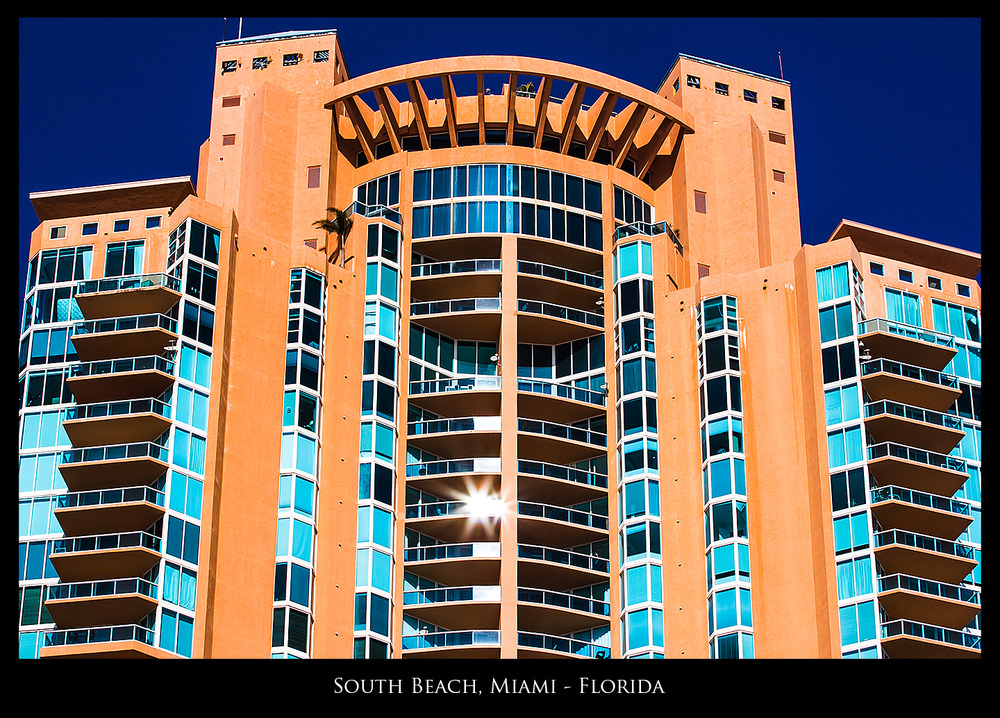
[(920, 456), (562, 391), (558, 311), (559, 513), (648, 229), (104, 634), (440, 552), (124, 324), (563, 431), (914, 413), (566, 473), (122, 366), (447, 426), (136, 281), (138, 450), (456, 594), (462, 266), (479, 465), (438, 509), (908, 371), (563, 557), (103, 589), (559, 599), (463, 383), (931, 633), (110, 497), (451, 306), (118, 408), (908, 331), (926, 587), (449, 639), (895, 537), (562, 644), (593, 281), (881, 494)]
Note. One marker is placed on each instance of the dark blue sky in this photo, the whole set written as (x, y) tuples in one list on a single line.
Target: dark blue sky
[(887, 112)]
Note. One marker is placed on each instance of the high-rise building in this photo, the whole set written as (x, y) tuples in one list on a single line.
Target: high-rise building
[(491, 357)]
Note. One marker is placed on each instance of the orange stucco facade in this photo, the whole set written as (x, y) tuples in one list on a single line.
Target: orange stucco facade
[(706, 166)]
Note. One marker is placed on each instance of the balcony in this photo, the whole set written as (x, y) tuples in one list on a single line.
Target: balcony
[(475, 318), (908, 639), (908, 384), (905, 342), (453, 280), (130, 509), (117, 422), (452, 644), (110, 467), (101, 603), (451, 564), (895, 464), (554, 483), (128, 641), (559, 612), (924, 556), (557, 253), (558, 526), (454, 521), (547, 323), (560, 443), (889, 421), (478, 395), (899, 508), (105, 556), (120, 379), (544, 645), (118, 296), (138, 335), (456, 438), (562, 403), (559, 569), (549, 283), (448, 476), (456, 607), (930, 602)]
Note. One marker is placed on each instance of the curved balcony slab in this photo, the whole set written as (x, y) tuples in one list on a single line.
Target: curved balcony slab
[(912, 468), (475, 319), (923, 556), (473, 644), (120, 422), (908, 384), (929, 602), (117, 642), (134, 294), (456, 438), (93, 558), (131, 336), (456, 279), (909, 639), (101, 603), (895, 507), (475, 395), (897, 423), (120, 379), (111, 467), (558, 527), (452, 522), (542, 482), (453, 564), (544, 323), (560, 613), (543, 645), (558, 569), (558, 443), (86, 513), (455, 608), (907, 343), (559, 403), (456, 478)]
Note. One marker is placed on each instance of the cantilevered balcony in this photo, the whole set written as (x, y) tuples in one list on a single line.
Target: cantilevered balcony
[(437, 281), (468, 318), (119, 379), (542, 482), (558, 285), (104, 556), (118, 422), (456, 438), (477, 395), (558, 611), (548, 323), (117, 337), (452, 644), (558, 443), (919, 512), (910, 639), (907, 466), (134, 294), (890, 421), (930, 602), (905, 342), (923, 556), (545, 645), (455, 607), (562, 403), (449, 477), (125, 641), (101, 603), (125, 509), (454, 521), (558, 526), (909, 384), (559, 569), (115, 466), (451, 564)]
